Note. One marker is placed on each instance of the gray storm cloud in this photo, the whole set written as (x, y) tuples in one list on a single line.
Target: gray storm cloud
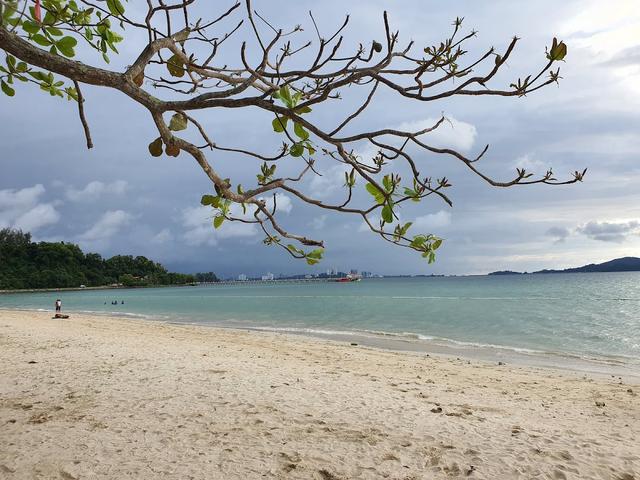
[(117, 199)]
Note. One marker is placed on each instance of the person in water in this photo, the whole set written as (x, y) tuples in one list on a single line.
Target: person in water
[(58, 305)]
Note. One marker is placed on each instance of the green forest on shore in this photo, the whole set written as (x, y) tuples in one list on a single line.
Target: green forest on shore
[(29, 265)]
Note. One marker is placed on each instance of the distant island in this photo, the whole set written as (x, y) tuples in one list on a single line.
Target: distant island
[(625, 264), (26, 265)]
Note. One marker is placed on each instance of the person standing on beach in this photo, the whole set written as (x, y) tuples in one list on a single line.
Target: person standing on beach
[(58, 305)]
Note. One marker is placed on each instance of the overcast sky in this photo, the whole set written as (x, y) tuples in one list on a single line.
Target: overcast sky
[(117, 199)]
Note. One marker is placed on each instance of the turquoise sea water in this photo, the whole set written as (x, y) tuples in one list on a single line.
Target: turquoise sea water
[(584, 315)]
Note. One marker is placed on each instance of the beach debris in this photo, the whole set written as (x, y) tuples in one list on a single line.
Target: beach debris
[(630, 390), (31, 362), (626, 476), (436, 410), (5, 469), (327, 475), (39, 418), (600, 404), (470, 470), (353, 344), (501, 363)]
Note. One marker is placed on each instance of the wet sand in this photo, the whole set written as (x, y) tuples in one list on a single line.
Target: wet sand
[(112, 398)]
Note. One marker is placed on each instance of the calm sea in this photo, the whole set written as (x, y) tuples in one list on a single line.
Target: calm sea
[(578, 315)]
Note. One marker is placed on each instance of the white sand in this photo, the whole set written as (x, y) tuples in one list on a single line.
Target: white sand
[(111, 398)]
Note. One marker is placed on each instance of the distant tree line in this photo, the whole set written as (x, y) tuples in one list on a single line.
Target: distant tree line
[(25, 264)]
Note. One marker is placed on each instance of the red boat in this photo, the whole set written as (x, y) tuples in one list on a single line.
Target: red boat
[(348, 278)]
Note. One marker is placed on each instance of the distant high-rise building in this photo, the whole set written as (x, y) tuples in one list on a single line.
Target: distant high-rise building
[(242, 277), (268, 277), (353, 271)]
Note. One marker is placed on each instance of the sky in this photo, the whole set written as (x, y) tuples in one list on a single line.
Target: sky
[(117, 199)]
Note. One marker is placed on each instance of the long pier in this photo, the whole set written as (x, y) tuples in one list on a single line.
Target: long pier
[(267, 282)]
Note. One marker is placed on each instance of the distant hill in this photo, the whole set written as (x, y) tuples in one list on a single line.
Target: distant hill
[(625, 264)]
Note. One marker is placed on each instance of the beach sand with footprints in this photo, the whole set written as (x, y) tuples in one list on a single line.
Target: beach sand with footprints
[(111, 398)]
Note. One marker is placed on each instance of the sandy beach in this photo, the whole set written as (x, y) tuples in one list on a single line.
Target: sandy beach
[(113, 398)]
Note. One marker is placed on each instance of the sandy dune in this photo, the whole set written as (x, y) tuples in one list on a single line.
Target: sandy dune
[(108, 398)]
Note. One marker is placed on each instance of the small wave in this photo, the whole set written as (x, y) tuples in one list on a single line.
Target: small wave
[(619, 360)]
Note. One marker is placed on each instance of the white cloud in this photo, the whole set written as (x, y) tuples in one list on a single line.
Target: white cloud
[(432, 222), (530, 163), (20, 199), (331, 180), (36, 218), (200, 231), (608, 31), (163, 236), (21, 209), (605, 27), (319, 222), (95, 190), (610, 231), (283, 203), (109, 224), (559, 234), (451, 133)]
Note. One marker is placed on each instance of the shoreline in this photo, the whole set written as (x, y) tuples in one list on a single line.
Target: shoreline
[(383, 341), (82, 289), (110, 398)]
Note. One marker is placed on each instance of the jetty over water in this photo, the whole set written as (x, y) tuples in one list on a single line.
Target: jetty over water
[(258, 281)]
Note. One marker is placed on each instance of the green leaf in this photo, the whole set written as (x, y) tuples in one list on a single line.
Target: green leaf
[(296, 150), (218, 221), (310, 148), (178, 122), (388, 184), (377, 194), (317, 253), (387, 214), (292, 248), (435, 245), (284, 94), (30, 27), (175, 66), (7, 89), (212, 200), (279, 124), (302, 110), (41, 40), (418, 241), (155, 147), (115, 7), (54, 32), (66, 45), (558, 51), (300, 131)]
